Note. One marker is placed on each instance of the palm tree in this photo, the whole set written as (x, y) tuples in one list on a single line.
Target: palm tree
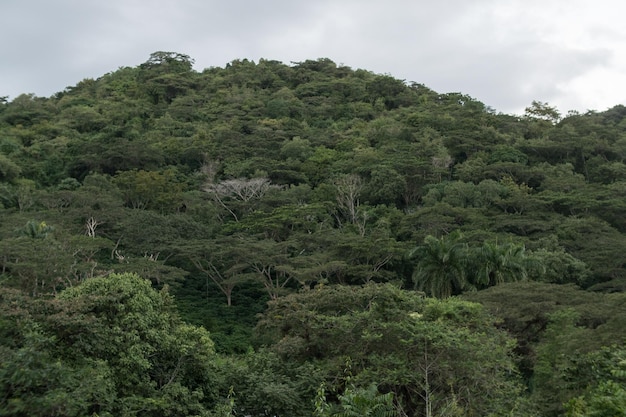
[(495, 264), (35, 230), (366, 402), (440, 269), (356, 402)]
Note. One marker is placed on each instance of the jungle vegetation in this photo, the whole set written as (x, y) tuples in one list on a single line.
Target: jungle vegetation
[(271, 239)]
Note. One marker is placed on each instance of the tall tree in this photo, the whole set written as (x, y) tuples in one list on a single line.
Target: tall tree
[(222, 261)]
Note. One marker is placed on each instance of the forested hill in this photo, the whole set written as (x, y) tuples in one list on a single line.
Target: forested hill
[(264, 181)]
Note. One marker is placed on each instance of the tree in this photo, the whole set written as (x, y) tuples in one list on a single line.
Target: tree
[(35, 382), (270, 263), (369, 257), (166, 75), (606, 394), (230, 194), (9, 170), (435, 356), (518, 198), (349, 189), (549, 384), (495, 264), (529, 309), (150, 190), (557, 266), (172, 60), (595, 243), (265, 385), (222, 261), (110, 346), (36, 262), (357, 402), (607, 400), (36, 230), (542, 111), (440, 266), (386, 186)]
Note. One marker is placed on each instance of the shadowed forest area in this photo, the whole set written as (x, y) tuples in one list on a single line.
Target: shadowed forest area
[(270, 239)]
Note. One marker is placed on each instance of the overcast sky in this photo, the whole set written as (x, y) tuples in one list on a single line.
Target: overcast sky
[(505, 53)]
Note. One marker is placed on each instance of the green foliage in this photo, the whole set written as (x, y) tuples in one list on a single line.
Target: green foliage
[(553, 362), (605, 394), (110, 346), (408, 345), (440, 266), (356, 402), (34, 382), (263, 384), (608, 399), (254, 181), (152, 190), (590, 384), (36, 230), (542, 111), (561, 331), (495, 264), (9, 170)]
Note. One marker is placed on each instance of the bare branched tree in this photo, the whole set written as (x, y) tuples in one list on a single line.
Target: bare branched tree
[(349, 189), (210, 168), (90, 226), (240, 189), (442, 164)]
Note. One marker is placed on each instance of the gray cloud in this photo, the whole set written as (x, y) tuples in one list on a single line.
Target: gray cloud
[(504, 56)]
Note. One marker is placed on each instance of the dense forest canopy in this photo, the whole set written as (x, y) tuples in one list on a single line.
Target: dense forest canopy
[(288, 239)]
